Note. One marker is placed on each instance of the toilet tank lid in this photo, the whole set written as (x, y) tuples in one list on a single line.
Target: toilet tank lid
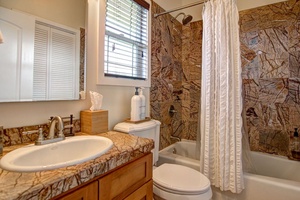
[(127, 127)]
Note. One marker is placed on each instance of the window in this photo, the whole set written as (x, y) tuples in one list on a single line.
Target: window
[(126, 49)]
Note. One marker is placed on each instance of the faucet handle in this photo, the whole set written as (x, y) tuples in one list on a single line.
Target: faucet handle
[(69, 126), (41, 136), (30, 132)]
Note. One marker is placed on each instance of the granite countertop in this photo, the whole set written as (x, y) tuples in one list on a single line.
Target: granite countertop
[(48, 184)]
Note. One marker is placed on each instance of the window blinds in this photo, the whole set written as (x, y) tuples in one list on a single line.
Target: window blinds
[(126, 40)]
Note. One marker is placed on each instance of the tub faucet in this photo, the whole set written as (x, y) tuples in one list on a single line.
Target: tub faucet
[(175, 138)]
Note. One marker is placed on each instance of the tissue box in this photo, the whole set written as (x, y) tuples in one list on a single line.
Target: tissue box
[(93, 122)]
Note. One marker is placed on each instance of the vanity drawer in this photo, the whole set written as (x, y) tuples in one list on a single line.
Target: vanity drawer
[(145, 192), (88, 192), (124, 181)]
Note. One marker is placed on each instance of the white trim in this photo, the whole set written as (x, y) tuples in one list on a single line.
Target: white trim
[(101, 79)]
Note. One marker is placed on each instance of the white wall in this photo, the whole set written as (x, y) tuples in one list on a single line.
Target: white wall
[(116, 99), (67, 12), (244, 5), (196, 11)]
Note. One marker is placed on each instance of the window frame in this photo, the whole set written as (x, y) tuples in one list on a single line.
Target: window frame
[(119, 81)]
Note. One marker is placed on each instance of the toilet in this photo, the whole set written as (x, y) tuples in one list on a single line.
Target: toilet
[(170, 181)]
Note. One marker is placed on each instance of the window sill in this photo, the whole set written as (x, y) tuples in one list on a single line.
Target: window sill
[(114, 81)]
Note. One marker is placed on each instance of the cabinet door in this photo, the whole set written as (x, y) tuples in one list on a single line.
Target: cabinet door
[(124, 181), (89, 192), (145, 192)]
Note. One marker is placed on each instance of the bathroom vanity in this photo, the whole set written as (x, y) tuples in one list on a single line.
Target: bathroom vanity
[(129, 181), (124, 172)]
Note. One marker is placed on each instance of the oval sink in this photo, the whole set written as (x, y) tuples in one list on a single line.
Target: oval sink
[(71, 151)]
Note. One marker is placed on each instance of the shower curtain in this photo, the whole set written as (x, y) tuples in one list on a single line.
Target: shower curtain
[(221, 100)]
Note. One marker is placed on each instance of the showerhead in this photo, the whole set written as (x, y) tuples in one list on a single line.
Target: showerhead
[(185, 20)]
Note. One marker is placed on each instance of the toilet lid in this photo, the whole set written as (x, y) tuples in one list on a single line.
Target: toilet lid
[(180, 179)]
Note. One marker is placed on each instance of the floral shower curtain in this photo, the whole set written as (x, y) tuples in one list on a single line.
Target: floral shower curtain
[(221, 100)]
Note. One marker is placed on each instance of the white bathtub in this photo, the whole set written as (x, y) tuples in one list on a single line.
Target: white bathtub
[(276, 178)]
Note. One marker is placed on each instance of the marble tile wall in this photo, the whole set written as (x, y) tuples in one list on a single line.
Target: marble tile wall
[(82, 59), (175, 76), (270, 46), (14, 136)]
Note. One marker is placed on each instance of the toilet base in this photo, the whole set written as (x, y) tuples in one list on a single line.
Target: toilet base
[(161, 195)]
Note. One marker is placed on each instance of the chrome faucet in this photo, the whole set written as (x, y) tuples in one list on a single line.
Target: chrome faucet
[(51, 139), (175, 138), (54, 120)]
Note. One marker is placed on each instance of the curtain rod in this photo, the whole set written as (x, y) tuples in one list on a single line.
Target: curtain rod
[(179, 8)]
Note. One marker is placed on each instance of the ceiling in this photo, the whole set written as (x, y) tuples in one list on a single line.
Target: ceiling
[(196, 11)]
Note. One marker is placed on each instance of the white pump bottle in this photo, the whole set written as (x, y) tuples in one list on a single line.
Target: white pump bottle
[(143, 104), (135, 106)]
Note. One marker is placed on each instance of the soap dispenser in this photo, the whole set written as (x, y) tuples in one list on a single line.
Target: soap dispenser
[(135, 106), (143, 104), (296, 145)]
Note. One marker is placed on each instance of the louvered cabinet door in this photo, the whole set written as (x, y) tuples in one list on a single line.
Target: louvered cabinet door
[(56, 63)]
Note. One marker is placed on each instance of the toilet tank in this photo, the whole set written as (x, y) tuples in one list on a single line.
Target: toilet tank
[(148, 129)]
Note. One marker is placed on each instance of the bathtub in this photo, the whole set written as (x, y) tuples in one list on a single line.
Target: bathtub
[(276, 178)]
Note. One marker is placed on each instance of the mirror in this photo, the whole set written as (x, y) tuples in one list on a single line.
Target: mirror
[(29, 70)]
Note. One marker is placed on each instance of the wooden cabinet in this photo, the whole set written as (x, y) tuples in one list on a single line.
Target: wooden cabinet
[(145, 192), (88, 192), (124, 181), (132, 181)]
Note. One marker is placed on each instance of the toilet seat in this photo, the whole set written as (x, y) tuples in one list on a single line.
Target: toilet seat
[(180, 180)]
